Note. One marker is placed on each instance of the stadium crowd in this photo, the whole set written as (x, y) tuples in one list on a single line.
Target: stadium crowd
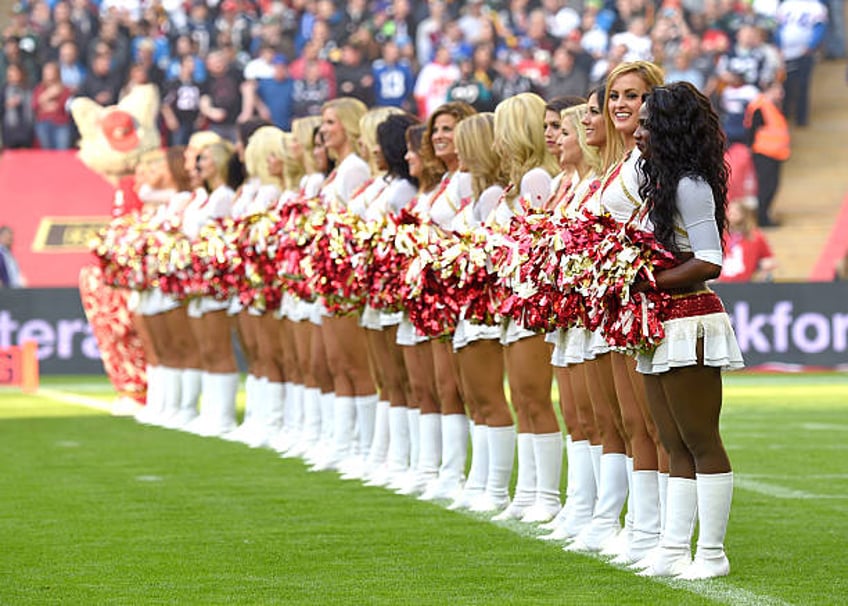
[(218, 64)]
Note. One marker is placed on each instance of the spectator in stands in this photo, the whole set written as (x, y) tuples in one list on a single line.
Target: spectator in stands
[(136, 77), (10, 272), (310, 92), (473, 21), (354, 75), (199, 28), (434, 80), (834, 39), (800, 32), (50, 104), (394, 81), (748, 256), (354, 15), (471, 90), (682, 70), (113, 39), (146, 61), (184, 47), (275, 95), (636, 39), (61, 34), (428, 36), (101, 83), (734, 99), (71, 70), (181, 103), (12, 54), (747, 58), (16, 113), (220, 101), (84, 19), (567, 78), (770, 146), (509, 82), (398, 25), (310, 53)]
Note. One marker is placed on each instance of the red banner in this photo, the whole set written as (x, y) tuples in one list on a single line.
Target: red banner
[(54, 203)]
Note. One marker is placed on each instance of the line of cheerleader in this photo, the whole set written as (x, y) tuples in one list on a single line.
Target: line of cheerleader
[(384, 276)]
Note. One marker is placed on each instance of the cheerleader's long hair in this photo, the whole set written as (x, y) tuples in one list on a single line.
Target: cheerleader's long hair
[(685, 139)]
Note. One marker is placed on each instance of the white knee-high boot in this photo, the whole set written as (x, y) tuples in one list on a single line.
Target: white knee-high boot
[(525, 482), (218, 411), (454, 452), (324, 446), (559, 518), (171, 379), (715, 493), (675, 552), (380, 442), (254, 409), (582, 496), (298, 443), (429, 451), (605, 523), (501, 461), (190, 381), (353, 468), (401, 482), (475, 486), (645, 534), (597, 451), (547, 450), (271, 422), (154, 401), (397, 462), (344, 427), (617, 548)]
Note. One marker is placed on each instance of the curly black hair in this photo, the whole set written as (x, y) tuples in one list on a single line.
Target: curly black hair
[(391, 135), (685, 140)]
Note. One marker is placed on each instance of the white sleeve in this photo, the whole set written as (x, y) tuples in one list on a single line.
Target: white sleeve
[(696, 205), (487, 203), (536, 187), (402, 194), (221, 202), (352, 179)]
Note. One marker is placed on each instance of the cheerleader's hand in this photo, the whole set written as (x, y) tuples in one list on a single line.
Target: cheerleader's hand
[(640, 286)]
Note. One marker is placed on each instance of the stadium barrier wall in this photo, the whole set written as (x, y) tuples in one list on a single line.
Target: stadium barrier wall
[(779, 326)]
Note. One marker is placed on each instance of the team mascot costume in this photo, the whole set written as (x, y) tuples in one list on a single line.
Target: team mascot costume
[(111, 141)]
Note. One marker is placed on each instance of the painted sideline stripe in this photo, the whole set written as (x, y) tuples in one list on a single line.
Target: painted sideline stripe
[(718, 590), (75, 399), (774, 490)]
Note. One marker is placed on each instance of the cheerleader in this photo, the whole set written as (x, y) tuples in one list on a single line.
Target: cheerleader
[(440, 434), (344, 343), (309, 386), (570, 351), (682, 147), (385, 358), (164, 315), (477, 345), (258, 326), (438, 149), (389, 156), (208, 317), (626, 86), (529, 166)]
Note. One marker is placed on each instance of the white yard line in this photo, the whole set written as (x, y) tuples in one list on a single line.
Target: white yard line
[(746, 482)]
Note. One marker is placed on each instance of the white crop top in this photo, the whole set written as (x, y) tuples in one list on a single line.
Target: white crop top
[(347, 178), (449, 199), (202, 210), (620, 192)]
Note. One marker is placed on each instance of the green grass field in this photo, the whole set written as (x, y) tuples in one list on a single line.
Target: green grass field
[(99, 510)]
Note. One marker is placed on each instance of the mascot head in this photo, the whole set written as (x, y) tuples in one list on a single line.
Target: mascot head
[(113, 138)]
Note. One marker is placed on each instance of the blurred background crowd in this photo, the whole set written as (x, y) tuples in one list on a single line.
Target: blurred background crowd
[(219, 63)]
